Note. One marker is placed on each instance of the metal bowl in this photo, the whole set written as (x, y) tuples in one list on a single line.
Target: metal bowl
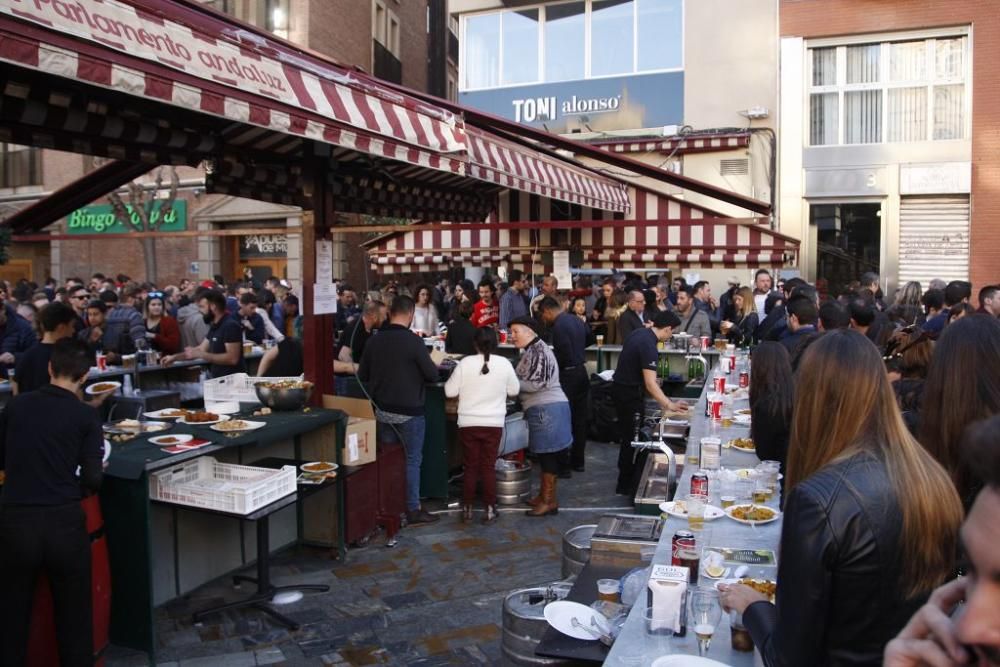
[(283, 398)]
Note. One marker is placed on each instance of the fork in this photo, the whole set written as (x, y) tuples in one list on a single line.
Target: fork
[(597, 634)]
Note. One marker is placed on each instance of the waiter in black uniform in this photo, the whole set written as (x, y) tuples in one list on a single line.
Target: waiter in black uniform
[(42, 526), (223, 344), (569, 339), (635, 377)]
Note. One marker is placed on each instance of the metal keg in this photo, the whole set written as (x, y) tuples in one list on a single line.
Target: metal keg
[(524, 624), (576, 548), (513, 483)]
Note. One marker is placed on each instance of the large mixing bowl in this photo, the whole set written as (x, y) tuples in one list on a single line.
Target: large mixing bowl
[(283, 398)]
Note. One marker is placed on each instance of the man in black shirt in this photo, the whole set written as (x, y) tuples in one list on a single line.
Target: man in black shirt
[(223, 346), (42, 528), (32, 371), (634, 377), (350, 347), (569, 339)]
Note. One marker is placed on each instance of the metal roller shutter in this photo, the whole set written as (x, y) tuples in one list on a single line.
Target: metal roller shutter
[(933, 239)]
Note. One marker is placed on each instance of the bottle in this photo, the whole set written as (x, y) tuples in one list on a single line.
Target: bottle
[(127, 385)]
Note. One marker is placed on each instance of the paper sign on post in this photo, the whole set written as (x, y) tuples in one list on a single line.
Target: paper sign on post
[(324, 298), (324, 261), (560, 269)]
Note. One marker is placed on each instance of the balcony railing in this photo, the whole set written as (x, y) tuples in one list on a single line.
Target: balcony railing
[(387, 66)]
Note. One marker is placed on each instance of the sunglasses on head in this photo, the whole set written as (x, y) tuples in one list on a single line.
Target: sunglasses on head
[(155, 295)]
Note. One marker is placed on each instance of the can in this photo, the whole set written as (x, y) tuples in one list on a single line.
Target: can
[(705, 342), (502, 336), (102, 361), (682, 538), (719, 382), (699, 483), (715, 406), (732, 362), (744, 379)]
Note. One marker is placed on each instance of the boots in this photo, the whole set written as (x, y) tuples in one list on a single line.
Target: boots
[(536, 501), (548, 505), (466, 513), (491, 514)]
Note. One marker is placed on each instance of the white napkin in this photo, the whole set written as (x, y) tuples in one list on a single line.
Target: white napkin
[(668, 600)]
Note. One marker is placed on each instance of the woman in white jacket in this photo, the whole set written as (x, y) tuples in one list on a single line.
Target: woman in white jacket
[(482, 383), (425, 319)]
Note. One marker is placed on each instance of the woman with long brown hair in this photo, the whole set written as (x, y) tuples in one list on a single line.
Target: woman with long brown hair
[(871, 520), (962, 386), (743, 329)]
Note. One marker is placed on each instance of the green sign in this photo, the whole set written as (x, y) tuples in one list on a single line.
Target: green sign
[(101, 219)]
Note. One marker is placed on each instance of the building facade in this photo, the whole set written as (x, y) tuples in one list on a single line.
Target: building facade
[(889, 154), (389, 38), (689, 86)]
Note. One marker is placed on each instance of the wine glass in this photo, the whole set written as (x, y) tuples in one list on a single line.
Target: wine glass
[(705, 615)]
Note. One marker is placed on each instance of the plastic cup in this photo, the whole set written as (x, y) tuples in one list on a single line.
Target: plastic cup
[(696, 511), (600, 340), (607, 590)]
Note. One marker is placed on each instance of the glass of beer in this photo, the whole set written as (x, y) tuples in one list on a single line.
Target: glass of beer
[(247, 348), (705, 615), (696, 511), (693, 454), (600, 340), (727, 501), (760, 491), (739, 635), (607, 590)]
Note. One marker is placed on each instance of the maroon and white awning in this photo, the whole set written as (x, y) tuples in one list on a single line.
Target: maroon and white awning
[(679, 145), (658, 232)]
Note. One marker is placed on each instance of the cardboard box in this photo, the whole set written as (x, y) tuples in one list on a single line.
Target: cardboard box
[(359, 440)]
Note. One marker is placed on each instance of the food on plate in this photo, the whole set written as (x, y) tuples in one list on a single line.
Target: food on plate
[(174, 413), (680, 507), (200, 416), (232, 425), (763, 586), (319, 466), (263, 411), (751, 513), (745, 444), (744, 411), (168, 440), (102, 387)]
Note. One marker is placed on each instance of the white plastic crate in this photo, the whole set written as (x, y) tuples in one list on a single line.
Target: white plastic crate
[(237, 387), (226, 487)]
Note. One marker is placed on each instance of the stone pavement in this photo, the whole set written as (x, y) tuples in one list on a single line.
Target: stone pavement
[(434, 599)]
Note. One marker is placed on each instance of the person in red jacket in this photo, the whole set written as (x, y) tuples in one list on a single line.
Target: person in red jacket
[(162, 331)]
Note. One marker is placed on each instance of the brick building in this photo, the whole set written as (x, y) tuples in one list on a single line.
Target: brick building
[(889, 156), (389, 38)]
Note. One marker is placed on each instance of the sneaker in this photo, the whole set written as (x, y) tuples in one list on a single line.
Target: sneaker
[(420, 516)]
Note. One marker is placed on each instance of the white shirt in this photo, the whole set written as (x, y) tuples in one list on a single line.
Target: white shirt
[(482, 399), (758, 301), (425, 320)]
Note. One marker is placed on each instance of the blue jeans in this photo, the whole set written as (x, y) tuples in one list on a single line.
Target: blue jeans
[(412, 432)]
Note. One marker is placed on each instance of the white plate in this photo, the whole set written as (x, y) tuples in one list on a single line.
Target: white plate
[(165, 413), (221, 418), (686, 661), (711, 511), (223, 407), (741, 419), (177, 439), (90, 390), (107, 451), (331, 467), (729, 510), (249, 426), (560, 613)]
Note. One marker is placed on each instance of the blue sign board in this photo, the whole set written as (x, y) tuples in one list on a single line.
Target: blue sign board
[(612, 103)]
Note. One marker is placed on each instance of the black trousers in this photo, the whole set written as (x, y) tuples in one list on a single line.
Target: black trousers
[(629, 402), (53, 541), (576, 386)]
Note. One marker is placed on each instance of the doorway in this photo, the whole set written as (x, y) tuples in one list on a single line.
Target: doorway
[(847, 241)]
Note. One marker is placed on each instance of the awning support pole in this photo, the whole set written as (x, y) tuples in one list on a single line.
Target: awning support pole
[(317, 330)]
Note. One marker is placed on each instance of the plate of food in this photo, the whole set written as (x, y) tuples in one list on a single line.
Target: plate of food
[(742, 420), (765, 587), (166, 413), (318, 467), (134, 427), (228, 425), (742, 444), (99, 388), (678, 509), (752, 514), (171, 440), (202, 418), (742, 411)]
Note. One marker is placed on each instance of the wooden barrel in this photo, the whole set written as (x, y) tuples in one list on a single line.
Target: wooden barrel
[(576, 548), (524, 624), (42, 650)]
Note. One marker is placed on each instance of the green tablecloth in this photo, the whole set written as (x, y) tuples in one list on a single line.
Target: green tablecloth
[(130, 459)]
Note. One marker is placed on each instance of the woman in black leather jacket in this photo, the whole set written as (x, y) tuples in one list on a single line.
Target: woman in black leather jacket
[(870, 524)]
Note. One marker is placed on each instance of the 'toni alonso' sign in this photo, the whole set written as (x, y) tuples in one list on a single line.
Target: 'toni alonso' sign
[(100, 219)]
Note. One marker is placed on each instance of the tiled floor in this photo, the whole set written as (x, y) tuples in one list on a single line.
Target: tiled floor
[(434, 599)]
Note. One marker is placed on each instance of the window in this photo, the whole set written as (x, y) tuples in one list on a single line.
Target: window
[(565, 41), (385, 27), (900, 91), (19, 166), (571, 40)]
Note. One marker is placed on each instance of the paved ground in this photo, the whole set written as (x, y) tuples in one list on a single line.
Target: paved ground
[(434, 599)]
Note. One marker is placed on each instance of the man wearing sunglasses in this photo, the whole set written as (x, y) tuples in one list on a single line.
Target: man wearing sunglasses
[(79, 297)]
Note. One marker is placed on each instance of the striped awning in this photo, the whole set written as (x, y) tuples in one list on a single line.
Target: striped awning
[(658, 232), (173, 82), (680, 145)]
